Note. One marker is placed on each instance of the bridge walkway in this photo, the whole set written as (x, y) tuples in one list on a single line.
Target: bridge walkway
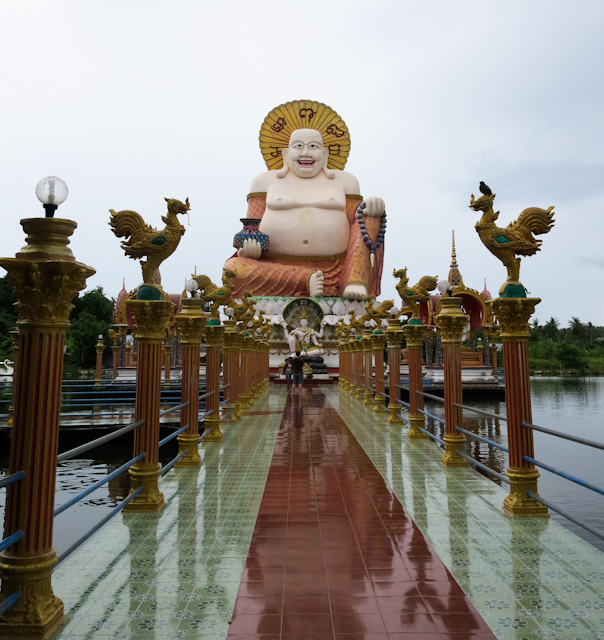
[(199, 568)]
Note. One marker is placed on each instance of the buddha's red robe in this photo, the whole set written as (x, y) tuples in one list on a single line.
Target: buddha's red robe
[(285, 276)]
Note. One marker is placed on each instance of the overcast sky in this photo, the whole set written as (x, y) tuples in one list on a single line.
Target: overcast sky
[(133, 101)]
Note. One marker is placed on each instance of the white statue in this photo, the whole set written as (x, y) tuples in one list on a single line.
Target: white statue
[(309, 213), (304, 338)]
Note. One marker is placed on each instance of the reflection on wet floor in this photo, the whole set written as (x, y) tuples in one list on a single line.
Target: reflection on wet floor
[(334, 552)]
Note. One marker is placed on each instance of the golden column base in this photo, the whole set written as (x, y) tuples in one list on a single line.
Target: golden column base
[(245, 403), (359, 391), (151, 499), (518, 503), (379, 404), (233, 413), (368, 395), (212, 424), (38, 612), (452, 444), (393, 418), (189, 441), (415, 422)]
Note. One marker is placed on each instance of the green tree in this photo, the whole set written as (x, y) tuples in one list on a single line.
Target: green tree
[(569, 355), (577, 330), (552, 329), (91, 316), (8, 317)]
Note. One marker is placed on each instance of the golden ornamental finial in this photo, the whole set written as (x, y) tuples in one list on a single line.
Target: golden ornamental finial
[(217, 296), (515, 239), (144, 240), (415, 295)]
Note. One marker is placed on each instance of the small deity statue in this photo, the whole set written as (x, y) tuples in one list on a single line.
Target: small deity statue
[(304, 338), (323, 238)]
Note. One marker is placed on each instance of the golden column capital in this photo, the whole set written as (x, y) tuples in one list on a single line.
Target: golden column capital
[(213, 334), (191, 322), (415, 334), (378, 340), (451, 321), (150, 317), (514, 315), (394, 333)]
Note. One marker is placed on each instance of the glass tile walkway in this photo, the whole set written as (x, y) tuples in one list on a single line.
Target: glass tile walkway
[(176, 574)]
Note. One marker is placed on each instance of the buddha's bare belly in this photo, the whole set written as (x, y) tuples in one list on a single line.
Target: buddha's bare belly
[(306, 231)]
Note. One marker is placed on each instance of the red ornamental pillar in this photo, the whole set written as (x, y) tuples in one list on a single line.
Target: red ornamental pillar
[(116, 355), (394, 335), (342, 365), (167, 354), (214, 332), (46, 277), (246, 385), (378, 340), (415, 334), (514, 315), (368, 368), (230, 368), (11, 410), (451, 322), (359, 367), (100, 347), (191, 323), (150, 317)]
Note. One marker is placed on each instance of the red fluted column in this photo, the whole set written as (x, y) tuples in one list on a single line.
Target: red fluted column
[(378, 340), (514, 315), (415, 339), (451, 322), (394, 336), (246, 385), (116, 355), (190, 322), (46, 277), (213, 333), (359, 367), (368, 368), (150, 317), (100, 347), (231, 368), (167, 354)]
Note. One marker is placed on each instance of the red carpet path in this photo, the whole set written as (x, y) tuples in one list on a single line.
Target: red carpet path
[(334, 554)]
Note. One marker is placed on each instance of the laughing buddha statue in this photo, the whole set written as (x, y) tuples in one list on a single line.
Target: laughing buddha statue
[(323, 239)]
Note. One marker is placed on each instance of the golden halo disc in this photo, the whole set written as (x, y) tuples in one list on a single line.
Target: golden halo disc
[(304, 114)]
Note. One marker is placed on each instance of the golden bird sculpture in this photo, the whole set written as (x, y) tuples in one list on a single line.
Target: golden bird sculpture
[(217, 296), (143, 240), (415, 295), (376, 313), (358, 324), (517, 239)]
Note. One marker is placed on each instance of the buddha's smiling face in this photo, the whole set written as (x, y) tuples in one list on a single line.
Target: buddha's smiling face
[(305, 156)]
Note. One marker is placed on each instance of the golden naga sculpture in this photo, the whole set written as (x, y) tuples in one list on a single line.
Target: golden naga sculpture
[(358, 324), (415, 295), (516, 239), (376, 313), (244, 311), (218, 296), (144, 240)]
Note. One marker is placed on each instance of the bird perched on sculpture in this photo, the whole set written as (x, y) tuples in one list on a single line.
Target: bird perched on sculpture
[(517, 239), (415, 295), (217, 296), (484, 189), (143, 240)]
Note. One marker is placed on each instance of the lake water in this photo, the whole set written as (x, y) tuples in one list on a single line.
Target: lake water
[(570, 405)]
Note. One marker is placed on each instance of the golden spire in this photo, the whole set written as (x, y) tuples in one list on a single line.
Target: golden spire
[(454, 274)]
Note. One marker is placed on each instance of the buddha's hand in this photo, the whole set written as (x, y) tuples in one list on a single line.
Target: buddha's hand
[(374, 207), (251, 249)]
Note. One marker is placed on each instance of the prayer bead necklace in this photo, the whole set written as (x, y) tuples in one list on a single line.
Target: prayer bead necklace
[(371, 245)]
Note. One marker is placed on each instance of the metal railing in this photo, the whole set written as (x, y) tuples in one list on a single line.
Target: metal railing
[(10, 540)]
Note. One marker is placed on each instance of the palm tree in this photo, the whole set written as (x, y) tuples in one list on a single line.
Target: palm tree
[(590, 332), (577, 330), (552, 329)]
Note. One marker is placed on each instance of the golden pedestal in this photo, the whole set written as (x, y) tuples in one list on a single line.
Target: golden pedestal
[(453, 443), (379, 404), (518, 503), (414, 422), (151, 499)]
